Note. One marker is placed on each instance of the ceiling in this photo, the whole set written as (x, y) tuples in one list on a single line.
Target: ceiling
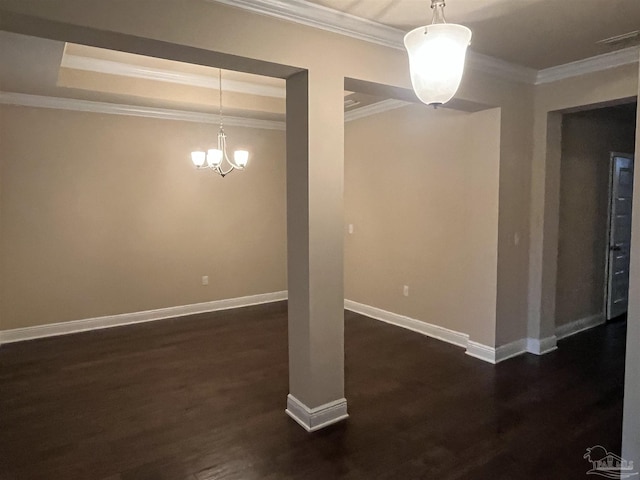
[(534, 33)]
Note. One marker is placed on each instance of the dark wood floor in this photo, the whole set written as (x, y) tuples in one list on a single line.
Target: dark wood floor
[(204, 397)]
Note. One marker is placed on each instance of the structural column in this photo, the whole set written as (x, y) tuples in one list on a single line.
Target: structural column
[(315, 217), (545, 211), (631, 422)]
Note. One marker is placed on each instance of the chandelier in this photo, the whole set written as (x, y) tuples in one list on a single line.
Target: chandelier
[(436, 57), (216, 159)]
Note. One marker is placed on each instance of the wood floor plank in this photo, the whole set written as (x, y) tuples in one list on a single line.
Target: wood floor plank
[(203, 397)]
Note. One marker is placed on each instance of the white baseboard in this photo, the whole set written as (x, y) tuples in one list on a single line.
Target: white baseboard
[(312, 419), (577, 326), (497, 354), (108, 321), (481, 351), (477, 350), (513, 349), (542, 346), (474, 349), (510, 350), (450, 336)]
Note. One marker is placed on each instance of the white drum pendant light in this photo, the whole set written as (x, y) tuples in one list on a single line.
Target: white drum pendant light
[(436, 57)]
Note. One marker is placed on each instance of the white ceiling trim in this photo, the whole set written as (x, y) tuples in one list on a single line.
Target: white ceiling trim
[(111, 67), (324, 18), (589, 65), (313, 15), (73, 104), (373, 109), (39, 101), (500, 68), (318, 16)]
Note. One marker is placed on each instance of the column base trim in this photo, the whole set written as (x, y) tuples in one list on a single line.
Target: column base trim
[(496, 354), (313, 419), (542, 346)]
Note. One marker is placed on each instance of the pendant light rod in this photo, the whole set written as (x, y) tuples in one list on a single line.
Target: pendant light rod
[(438, 11)]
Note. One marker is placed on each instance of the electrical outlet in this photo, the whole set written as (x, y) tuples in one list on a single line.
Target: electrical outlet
[(205, 280), (405, 290)]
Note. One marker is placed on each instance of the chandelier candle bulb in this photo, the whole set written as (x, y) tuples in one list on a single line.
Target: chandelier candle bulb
[(241, 157), (198, 158), (214, 157)]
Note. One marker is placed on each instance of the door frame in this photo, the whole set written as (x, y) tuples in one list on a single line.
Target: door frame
[(605, 298)]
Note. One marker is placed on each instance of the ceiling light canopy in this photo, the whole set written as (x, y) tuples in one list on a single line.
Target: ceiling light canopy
[(436, 57)]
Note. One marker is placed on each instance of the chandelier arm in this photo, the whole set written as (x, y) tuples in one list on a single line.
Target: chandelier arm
[(225, 172), (222, 145), (233, 163)]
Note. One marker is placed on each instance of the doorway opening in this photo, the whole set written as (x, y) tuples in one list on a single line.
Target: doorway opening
[(596, 184)]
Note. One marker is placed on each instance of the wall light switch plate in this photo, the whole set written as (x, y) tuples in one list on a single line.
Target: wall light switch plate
[(351, 228), (205, 280)]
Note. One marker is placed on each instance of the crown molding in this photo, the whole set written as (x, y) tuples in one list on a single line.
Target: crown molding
[(324, 18), (39, 101), (73, 104), (317, 16), (111, 67), (598, 63), (500, 68), (373, 109)]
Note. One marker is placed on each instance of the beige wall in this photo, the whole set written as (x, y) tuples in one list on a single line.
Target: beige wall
[(591, 89), (105, 214), (81, 251), (230, 41), (236, 39), (421, 190), (587, 140), (239, 37), (516, 136)]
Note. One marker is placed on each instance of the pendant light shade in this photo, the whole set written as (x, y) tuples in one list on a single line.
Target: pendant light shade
[(436, 60)]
